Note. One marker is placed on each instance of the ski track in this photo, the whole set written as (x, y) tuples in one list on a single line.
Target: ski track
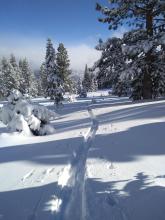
[(70, 200), (28, 175), (44, 174), (32, 175), (71, 196)]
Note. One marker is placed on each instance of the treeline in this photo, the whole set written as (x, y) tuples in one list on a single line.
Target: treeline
[(52, 80), (17, 75)]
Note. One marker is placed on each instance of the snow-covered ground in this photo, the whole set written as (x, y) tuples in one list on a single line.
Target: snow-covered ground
[(105, 161)]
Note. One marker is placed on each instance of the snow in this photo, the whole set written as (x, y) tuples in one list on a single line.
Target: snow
[(105, 161)]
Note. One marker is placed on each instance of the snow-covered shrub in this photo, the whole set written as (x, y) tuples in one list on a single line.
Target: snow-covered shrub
[(6, 113), (23, 116)]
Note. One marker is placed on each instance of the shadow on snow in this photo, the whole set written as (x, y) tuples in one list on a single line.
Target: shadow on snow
[(136, 200)]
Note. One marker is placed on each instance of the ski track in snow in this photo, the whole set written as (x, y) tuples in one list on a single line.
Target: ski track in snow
[(44, 174), (41, 177), (28, 175), (70, 201)]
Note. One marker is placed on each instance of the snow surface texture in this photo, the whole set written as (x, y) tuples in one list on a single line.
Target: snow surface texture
[(22, 116), (111, 172)]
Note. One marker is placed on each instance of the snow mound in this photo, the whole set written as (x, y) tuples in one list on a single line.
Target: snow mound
[(22, 116)]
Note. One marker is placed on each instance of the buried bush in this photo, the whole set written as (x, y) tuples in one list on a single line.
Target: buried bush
[(21, 115)]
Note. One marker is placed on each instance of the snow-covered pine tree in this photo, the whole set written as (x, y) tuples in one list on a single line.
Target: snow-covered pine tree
[(1, 83), (18, 73), (63, 64), (93, 86), (43, 79), (26, 75), (147, 20), (86, 83), (158, 77), (95, 83), (79, 86), (54, 81), (9, 79), (110, 65), (102, 69), (22, 82), (29, 80)]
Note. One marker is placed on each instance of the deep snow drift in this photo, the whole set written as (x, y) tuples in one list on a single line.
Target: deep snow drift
[(85, 171)]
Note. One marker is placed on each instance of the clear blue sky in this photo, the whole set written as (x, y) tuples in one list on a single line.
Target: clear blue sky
[(65, 20), (26, 24)]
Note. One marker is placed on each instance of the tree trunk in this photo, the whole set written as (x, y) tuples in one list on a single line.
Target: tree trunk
[(147, 81), (147, 86)]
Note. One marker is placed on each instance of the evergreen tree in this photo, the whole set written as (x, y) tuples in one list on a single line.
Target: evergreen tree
[(43, 79), (18, 74), (54, 80), (63, 64), (29, 81), (87, 80), (110, 65), (79, 87), (95, 84), (8, 77), (2, 86), (147, 20), (93, 80), (112, 60), (22, 83)]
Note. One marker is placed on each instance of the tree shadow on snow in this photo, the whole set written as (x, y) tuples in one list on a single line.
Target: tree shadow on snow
[(132, 113), (71, 125), (28, 203), (136, 200), (120, 146), (82, 104), (130, 144), (50, 152), (154, 110)]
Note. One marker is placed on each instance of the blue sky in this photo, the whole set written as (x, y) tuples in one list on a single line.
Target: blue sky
[(26, 24)]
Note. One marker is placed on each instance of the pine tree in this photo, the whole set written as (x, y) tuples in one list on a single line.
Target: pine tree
[(87, 80), (95, 83), (29, 81), (111, 64), (63, 64), (147, 20), (93, 80), (54, 81), (79, 87), (18, 74), (43, 79), (8, 76), (2, 86)]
